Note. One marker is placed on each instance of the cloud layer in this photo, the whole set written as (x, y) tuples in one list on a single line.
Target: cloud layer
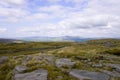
[(84, 18)]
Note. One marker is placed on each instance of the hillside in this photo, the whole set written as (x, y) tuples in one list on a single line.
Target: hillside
[(91, 60)]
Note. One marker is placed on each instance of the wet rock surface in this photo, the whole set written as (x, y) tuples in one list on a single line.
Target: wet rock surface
[(87, 75), (40, 74)]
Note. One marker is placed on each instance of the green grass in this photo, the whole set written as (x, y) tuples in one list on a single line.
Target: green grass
[(92, 50)]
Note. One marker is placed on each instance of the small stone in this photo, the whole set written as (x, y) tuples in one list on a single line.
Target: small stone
[(90, 63), (3, 59), (97, 65), (20, 68), (59, 77), (38, 58)]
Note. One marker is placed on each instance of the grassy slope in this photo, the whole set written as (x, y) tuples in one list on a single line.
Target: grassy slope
[(91, 49), (29, 47)]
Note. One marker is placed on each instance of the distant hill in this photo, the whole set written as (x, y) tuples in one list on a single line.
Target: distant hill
[(63, 38), (102, 41), (57, 39), (3, 40)]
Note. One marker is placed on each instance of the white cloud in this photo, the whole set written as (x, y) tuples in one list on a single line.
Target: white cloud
[(54, 1), (12, 2), (86, 18), (87, 26), (96, 21), (3, 30)]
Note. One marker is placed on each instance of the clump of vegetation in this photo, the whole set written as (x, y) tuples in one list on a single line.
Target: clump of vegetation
[(6, 70), (113, 51)]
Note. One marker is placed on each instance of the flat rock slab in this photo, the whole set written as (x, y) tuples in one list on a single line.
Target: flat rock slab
[(64, 62), (40, 74), (83, 74)]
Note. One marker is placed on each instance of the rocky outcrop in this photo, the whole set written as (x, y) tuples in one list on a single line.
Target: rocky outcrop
[(40, 74), (87, 75)]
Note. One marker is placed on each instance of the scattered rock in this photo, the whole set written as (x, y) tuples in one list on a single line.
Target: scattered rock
[(59, 77), (90, 63), (97, 65), (64, 62), (83, 74), (114, 66), (20, 68), (112, 74), (49, 58), (40, 74), (29, 57), (26, 59), (38, 58), (3, 59)]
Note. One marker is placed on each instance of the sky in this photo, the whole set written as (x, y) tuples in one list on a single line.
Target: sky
[(55, 18)]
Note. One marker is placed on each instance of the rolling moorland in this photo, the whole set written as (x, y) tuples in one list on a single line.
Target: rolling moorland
[(90, 60)]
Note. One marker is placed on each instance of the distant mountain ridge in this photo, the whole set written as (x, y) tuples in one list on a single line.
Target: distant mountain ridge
[(4, 40), (50, 39), (63, 38)]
